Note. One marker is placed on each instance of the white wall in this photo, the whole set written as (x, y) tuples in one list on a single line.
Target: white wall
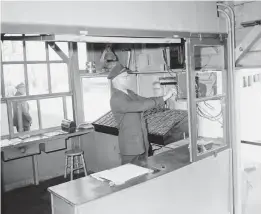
[(202, 187), (250, 105), (177, 16)]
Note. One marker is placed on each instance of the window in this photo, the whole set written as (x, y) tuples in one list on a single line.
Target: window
[(59, 77), (12, 51), (37, 79), (4, 120), (51, 112), (96, 97), (36, 83), (35, 51), (13, 75)]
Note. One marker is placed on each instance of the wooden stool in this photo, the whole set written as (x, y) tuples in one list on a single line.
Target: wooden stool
[(74, 160)]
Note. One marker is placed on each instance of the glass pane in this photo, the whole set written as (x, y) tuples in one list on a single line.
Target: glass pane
[(69, 108), (210, 125), (96, 97), (4, 120), (33, 111), (63, 46), (59, 77), (209, 66), (25, 116), (82, 55), (51, 112), (14, 80), (209, 57), (12, 51), (37, 79), (35, 51)]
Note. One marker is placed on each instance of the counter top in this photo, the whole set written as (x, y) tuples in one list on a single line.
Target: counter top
[(86, 189), (41, 138)]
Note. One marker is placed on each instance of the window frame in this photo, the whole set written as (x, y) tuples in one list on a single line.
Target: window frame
[(8, 100)]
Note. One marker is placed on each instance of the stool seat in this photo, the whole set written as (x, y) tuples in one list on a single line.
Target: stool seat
[(74, 152)]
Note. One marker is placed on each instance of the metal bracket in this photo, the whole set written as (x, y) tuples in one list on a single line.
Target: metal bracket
[(251, 38), (220, 37), (200, 37), (60, 53)]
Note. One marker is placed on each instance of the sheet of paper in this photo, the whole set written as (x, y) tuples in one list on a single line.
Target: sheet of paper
[(5, 142), (121, 174), (15, 141)]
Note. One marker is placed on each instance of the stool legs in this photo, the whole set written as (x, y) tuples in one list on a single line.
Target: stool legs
[(84, 166), (74, 163), (71, 169), (66, 166), (78, 163)]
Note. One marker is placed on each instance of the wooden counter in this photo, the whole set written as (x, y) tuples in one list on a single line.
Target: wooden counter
[(68, 196)]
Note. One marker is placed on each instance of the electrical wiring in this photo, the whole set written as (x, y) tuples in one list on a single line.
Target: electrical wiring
[(204, 114)]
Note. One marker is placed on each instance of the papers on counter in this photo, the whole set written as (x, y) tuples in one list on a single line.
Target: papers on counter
[(7, 142), (121, 174)]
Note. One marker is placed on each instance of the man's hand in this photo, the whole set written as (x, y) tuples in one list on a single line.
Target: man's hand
[(170, 93)]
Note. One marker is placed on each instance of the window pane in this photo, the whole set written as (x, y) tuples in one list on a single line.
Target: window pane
[(37, 79), (82, 55), (63, 46), (96, 97), (51, 112), (35, 51), (4, 120), (13, 77), (69, 108), (59, 77), (33, 111), (25, 115), (12, 51)]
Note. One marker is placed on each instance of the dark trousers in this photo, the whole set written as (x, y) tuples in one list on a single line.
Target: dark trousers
[(134, 159)]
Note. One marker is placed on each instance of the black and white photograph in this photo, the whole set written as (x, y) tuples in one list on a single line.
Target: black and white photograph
[(130, 107)]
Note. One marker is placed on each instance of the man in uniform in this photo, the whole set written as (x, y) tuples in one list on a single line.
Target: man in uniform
[(23, 107), (127, 108)]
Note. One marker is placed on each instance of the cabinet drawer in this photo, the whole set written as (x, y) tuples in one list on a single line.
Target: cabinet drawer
[(21, 151), (52, 146)]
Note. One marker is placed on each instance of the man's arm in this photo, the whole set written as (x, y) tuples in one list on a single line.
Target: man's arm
[(140, 98), (124, 105)]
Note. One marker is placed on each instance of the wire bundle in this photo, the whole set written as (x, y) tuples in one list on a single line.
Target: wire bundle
[(204, 113)]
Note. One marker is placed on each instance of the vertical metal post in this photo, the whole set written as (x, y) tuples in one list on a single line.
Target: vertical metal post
[(2, 75), (35, 169), (19, 116), (192, 113), (64, 107), (10, 118), (76, 83), (39, 114), (48, 68), (25, 69)]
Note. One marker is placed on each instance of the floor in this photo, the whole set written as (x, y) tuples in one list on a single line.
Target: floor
[(31, 199)]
